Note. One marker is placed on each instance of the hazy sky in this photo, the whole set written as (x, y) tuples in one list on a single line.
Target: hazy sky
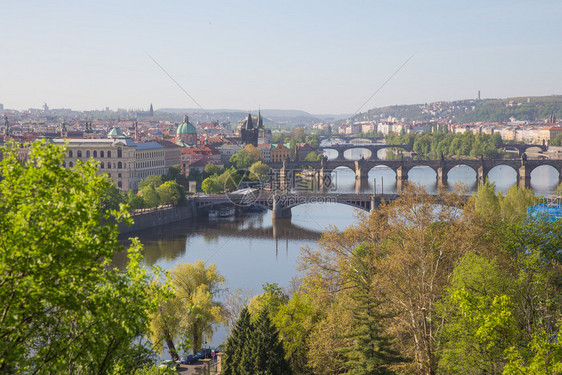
[(318, 56)]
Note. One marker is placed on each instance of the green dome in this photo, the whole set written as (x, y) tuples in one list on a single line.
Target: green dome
[(186, 127), (115, 132)]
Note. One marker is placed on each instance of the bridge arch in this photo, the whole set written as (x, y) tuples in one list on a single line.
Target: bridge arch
[(457, 174), (366, 153), (503, 176), (551, 178)]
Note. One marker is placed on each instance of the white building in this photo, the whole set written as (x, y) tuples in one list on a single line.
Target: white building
[(126, 162)]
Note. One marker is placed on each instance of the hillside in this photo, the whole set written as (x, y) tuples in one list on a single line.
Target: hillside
[(472, 110)]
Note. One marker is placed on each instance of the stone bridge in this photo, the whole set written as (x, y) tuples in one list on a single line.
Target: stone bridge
[(281, 203), (285, 172), (375, 148)]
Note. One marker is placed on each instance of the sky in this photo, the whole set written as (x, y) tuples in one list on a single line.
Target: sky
[(323, 57)]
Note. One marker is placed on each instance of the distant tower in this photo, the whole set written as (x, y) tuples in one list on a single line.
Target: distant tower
[(248, 132), (64, 131), (137, 130), (6, 126), (151, 110), (478, 94)]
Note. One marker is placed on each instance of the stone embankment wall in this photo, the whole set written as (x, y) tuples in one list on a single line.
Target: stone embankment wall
[(154, 217)]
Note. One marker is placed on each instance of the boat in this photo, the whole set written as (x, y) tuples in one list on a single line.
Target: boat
[(213, 213), (226, 211)]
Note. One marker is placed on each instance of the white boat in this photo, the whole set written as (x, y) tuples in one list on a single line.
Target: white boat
[(213, 213), (226, 211)]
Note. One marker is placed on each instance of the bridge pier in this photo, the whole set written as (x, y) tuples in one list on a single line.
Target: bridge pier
[(401, 177), (524, 177), (279, 211), (482, 175), (361, 185), (442, 176), (323, 179)]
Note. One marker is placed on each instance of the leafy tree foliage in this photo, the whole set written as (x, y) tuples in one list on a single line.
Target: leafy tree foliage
[(243, 159), (254, 348), (152, 180), (193, 312), (260, 171), (313, 156), (433, 145), (64, 309), (170, 192)]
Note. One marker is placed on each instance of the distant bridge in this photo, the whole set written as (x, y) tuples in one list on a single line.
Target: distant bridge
[(281, 204), (285, 172), (375, 148)]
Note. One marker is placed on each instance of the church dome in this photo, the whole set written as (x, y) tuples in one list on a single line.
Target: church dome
[(186, 127)]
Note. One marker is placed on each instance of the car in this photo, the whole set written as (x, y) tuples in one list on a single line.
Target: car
[(188, 359), (203, 353)]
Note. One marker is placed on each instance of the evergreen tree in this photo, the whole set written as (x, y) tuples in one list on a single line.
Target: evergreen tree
[(235, 344), (267, 351), (372, 352)]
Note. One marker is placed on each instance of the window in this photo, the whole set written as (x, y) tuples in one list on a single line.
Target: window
[(119, 175), (119, 165), (102, 154), (64, 164), (88, 154), (69, 153), (79, 153), (119, 152), (95, 154), (108, 165), (119, 184), (71, 165), (108, 154), (101, 165)]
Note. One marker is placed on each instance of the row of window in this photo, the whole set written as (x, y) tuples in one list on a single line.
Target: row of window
[(94, 153), (118, 165), (152, 154)]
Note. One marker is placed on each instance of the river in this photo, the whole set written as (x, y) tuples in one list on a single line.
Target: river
[(250, 251)]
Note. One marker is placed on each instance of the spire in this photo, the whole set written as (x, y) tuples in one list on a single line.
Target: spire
[(260, 120), (186, 119), (151, 110), (249, 122)]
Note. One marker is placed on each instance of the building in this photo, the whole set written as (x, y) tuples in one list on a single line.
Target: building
[(226, 151), (186, 134), (280, 153), (302, 150), (126, 162)]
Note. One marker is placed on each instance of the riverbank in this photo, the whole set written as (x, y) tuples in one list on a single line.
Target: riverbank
[(154, 217)]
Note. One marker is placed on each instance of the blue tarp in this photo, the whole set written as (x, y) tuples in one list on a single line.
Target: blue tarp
[(545, 211)]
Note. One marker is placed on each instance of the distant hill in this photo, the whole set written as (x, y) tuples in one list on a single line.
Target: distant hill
[(282, 117), (472, 110)]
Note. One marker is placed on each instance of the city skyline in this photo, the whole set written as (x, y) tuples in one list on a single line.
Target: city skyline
[(319, 57)]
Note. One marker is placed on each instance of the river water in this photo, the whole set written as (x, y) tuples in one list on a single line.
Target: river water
[(251, 250)]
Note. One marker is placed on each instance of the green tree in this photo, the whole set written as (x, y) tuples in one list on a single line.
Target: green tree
[(313, 156), (64, 309), (134, 200), (265, 350), (212, 185), (171, 193), (174, 174), (112, 198), (557, 141), (152, 180), (259, 171), (236, 342), (480, 324), (211, 169), (243, 159), (196, 286), (150, 196)]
